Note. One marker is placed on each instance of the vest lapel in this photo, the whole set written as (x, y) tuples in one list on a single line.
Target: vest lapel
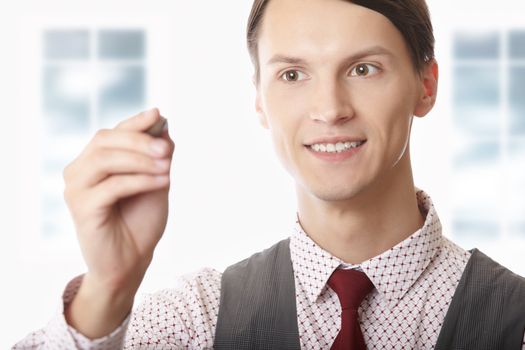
[(257, 307), (487, 310)]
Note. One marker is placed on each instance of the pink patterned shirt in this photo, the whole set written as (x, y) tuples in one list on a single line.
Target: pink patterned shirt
[(414, 284)]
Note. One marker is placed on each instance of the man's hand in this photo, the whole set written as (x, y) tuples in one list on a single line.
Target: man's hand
[(117, 193)]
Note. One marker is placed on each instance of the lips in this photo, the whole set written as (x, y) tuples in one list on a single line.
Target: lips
[(337, 147), (336, 153)]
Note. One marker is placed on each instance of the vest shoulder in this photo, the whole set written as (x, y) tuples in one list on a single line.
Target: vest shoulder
[(492, 272), (487, 310), (262, 258)]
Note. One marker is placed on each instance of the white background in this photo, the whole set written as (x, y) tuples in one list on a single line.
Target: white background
[(230, 196)]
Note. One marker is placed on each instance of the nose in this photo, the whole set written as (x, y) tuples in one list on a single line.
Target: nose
[(331, 103)]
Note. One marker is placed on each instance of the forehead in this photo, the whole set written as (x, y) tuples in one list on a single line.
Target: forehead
[(317, 28)]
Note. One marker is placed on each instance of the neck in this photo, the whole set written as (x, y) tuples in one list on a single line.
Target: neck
[(369, 223)]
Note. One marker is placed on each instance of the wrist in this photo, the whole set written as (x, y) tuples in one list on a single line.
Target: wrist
[(97, 310)]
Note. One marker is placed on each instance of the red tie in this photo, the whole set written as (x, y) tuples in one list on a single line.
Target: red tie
[(351, 287)]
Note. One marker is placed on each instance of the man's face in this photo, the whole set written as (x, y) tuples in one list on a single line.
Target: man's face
[(353, 85)]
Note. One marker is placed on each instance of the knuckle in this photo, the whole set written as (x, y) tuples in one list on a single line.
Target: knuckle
[(100, 135), (139, 141), (143, 162), (112, 184), (69, 171), (121, 184), (66, 194), (137, 162), (65, 172), (98, 158)]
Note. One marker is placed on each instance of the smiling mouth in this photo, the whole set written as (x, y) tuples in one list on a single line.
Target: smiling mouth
[(338, 147)]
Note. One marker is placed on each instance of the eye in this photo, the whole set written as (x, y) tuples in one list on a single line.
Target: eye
[(364, 70), (292, 75)]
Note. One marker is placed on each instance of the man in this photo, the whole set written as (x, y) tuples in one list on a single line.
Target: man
[(338, 84)]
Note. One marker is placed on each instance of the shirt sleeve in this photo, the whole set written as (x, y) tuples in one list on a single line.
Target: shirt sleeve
[(57, 334), (183, 317)]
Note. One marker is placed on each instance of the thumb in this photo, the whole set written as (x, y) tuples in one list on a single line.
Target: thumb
[(141, 121)]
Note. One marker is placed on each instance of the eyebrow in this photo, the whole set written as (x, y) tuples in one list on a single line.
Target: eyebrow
[(372, 51)]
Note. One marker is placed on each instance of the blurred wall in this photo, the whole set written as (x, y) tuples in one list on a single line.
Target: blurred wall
[(230, 197)]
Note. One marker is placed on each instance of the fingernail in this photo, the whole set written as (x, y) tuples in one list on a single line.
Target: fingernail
[(149, 112), (162, 178), (162, 163), (159, 147), (145, 113)]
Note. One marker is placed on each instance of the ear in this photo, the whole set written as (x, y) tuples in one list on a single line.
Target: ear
[(260, 112), (429, 85)]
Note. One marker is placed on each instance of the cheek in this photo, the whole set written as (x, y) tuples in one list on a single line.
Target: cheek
[(389, 120), (284, 117), (282, 99), (284, 110)]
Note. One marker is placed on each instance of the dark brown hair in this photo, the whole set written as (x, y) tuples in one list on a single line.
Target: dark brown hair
[(410, 17)]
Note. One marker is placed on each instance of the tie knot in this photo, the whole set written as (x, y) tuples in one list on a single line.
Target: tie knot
[(351, 287)]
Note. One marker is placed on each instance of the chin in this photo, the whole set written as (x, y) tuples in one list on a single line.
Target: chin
[(336, 193)]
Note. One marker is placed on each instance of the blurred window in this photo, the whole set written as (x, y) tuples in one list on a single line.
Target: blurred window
[(517, 44), (91, 79), (66, 44), (477, 45), (489, 125)]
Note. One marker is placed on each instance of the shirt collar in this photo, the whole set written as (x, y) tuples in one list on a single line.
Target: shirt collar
[(393, 272)]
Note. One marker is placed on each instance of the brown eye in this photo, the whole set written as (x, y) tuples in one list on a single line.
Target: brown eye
[(291, 75), (364, 70)]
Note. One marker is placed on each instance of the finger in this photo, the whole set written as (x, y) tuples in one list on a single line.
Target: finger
[(157, 128), (106, 162), (141, 121), (118, 187), (139, 142), (165, 135)]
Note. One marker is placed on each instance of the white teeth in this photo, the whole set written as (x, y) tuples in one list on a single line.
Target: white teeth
[(335, 148)]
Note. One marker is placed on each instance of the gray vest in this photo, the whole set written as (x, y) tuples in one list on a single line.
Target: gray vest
[(257, 307)]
